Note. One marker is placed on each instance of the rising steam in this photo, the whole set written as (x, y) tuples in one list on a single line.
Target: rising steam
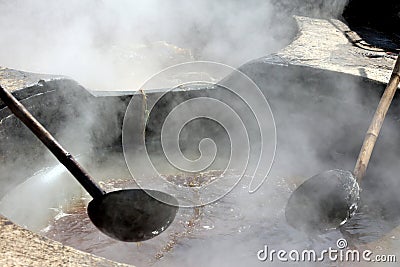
[(118, 44)]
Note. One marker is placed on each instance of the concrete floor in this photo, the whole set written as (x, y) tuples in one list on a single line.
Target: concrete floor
[(331, 45), (20, 247)]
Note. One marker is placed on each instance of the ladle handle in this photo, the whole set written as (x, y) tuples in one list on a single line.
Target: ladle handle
[(376, 124), (51, 143)]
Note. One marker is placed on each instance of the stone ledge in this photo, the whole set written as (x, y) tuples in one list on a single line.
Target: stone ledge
[(14, 80), (323, 44), (21, 247)]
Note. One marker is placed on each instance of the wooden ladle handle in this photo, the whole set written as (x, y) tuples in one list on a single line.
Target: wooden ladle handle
[(376, 123), (51, 143)]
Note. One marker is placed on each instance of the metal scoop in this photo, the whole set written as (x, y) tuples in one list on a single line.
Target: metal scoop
[(327, 200), (127, 215)]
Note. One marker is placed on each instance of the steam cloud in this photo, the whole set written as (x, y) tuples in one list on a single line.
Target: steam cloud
[(118, 44)]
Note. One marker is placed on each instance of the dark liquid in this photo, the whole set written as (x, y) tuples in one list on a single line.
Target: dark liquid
[(228, 232)]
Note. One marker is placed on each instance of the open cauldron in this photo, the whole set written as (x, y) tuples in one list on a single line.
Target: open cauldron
[(320, 116)]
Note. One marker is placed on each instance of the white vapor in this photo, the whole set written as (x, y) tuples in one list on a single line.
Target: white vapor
[(118, 44)]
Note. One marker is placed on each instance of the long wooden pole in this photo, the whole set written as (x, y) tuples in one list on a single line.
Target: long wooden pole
[(51, 143), (376, 124)]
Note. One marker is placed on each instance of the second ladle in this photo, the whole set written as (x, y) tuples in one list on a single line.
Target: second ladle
[(128, 215), (327, 200)]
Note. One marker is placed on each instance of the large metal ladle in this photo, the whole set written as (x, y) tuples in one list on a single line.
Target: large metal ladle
[(327, 200), (127, 215)]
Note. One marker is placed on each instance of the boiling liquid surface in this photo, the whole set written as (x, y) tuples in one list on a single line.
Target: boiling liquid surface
[(228, 232)]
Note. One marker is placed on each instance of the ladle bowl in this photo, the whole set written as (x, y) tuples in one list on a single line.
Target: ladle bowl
[(132, 215), (324, 201), (328, 199)]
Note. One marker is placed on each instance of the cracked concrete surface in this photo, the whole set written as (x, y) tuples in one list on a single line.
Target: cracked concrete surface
[(13, 80), (21, 247), (325, 44)]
